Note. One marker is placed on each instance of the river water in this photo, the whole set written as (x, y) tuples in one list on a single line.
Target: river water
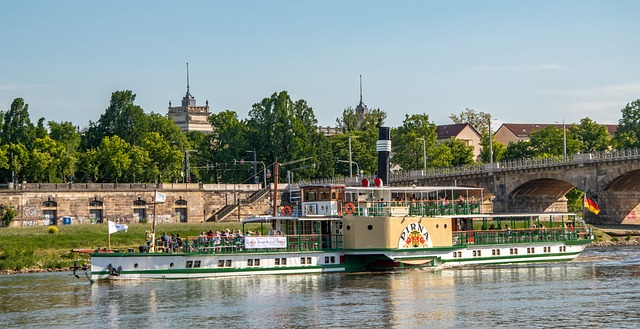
[(601, 288)]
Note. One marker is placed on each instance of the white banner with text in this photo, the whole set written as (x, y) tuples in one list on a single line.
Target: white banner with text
[(258, 242)]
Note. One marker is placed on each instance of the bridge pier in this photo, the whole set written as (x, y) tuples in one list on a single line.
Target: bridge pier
[(616, 207), (537, 203)]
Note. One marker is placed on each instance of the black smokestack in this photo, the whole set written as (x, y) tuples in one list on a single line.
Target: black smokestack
[(383, 146)]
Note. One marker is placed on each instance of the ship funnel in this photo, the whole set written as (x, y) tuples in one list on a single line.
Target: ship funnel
[(383, 146)]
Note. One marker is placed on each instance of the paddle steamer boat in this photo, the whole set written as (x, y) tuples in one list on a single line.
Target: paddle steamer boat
[(339, 228)]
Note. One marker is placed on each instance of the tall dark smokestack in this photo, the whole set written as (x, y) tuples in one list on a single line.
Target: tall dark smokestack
[(383, 146)]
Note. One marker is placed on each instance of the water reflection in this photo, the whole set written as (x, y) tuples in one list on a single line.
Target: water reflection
[(599, 287)]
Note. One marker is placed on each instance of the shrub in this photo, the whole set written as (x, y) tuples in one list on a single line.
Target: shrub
[(53, 230)]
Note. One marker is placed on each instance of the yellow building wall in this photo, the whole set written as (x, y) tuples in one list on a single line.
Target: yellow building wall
[(384, 232)]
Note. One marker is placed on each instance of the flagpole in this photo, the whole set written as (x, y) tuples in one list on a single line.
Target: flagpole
[(153, 226), (584, 201), (109, 235)]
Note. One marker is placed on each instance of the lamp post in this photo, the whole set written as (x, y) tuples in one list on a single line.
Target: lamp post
[(564, 139), (490, 143), (187, 167), (350, 159), (424, 154), (256, 180), (349, 162), (290, 172)]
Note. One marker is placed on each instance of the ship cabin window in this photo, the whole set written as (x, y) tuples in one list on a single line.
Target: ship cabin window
[(325, 195), (310, 195), (196, 263), (189, 264)]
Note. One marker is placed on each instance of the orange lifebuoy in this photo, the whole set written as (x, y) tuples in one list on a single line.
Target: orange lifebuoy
[(286, 211), (349, 208)]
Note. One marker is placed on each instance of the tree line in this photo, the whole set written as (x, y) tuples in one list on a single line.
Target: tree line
[(127, 145)]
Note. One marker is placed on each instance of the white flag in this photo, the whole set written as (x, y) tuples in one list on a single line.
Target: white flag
[(160, 197), (113, 227)]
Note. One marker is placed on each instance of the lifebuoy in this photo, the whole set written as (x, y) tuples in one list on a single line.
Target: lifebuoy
[(349, 208), (286, 211)]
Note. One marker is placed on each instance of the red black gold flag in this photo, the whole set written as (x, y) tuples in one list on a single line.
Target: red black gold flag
[(591, 204)]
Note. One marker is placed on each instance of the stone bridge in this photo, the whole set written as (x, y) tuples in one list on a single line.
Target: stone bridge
[(612, 178)]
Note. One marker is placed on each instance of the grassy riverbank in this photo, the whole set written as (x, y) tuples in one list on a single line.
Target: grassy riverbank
[(35, 249)]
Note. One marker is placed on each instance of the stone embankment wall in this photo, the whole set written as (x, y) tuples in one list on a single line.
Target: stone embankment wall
[(45, 204)]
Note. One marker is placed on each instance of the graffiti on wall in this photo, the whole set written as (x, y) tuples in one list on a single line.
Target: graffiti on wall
[(29, 211)]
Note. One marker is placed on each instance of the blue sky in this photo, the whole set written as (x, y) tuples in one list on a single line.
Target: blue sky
[(521, 61)]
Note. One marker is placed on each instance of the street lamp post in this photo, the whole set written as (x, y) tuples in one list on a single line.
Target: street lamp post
[(290, 172), (256, 180), (564, 139), (349, 162), (490, 143), (424, 154), (187, 167)]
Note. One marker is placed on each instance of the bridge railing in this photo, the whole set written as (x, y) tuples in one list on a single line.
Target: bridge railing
[(613, 154), (517, 163)]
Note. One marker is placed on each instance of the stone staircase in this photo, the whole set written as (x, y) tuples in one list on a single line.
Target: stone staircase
[(225, 212)]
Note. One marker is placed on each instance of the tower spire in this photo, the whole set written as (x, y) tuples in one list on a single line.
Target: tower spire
[(187, 78), (360, 88)]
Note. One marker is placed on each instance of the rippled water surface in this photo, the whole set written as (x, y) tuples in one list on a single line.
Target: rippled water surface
[(600, 289)]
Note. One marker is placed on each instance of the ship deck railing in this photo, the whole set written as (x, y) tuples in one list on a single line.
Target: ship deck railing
[(412, 208), (294, 243), (492, 237)]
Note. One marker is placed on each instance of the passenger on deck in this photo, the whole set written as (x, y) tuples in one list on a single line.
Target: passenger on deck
[(492, 227), (179, 242), (165, 241), (508, 230)]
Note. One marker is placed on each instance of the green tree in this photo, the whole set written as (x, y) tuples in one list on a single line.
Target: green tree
[(163, 159), (478, 120), (498, 149), (628, 133), (518, 150), (122, 118), (549, 141), (591, 136), (279, 128), (65, 133), (18, 159), (87, 167), (461, 152), (350, 121), (17, 127), (230, 145), (407, 143), (114, 158), (7, 214), (49, 162)]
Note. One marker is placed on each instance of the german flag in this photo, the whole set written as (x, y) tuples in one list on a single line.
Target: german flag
[(591, 204)]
